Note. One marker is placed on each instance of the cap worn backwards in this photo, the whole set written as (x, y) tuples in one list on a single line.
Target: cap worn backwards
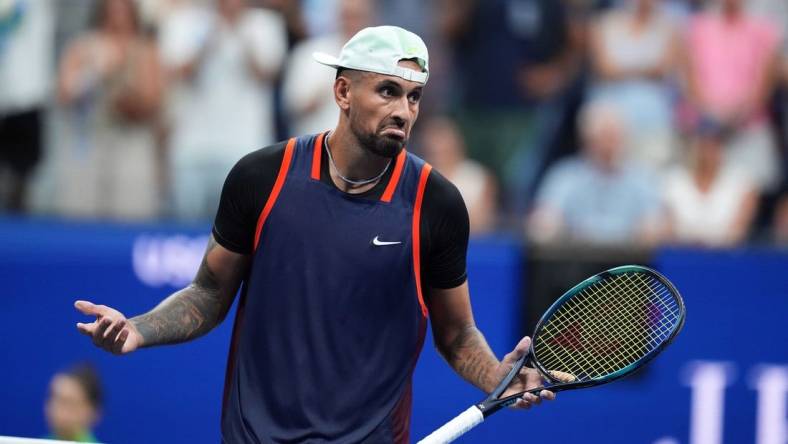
[(379, 49)]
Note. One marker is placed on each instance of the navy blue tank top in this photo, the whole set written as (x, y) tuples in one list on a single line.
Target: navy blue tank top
[(331, 319)]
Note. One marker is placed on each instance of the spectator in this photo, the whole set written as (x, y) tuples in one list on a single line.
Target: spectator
[(633, 54), (307, 90), (514, 61), (444, 148), (597, 196), (730, 69), (26, 53), (223, 64), (73, 406), (709, 202), (110, 82)]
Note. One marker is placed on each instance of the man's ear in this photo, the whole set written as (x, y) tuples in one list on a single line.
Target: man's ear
[(342, 92)]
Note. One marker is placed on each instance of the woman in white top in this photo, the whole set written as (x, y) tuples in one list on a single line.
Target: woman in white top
[(633, 53), (110, 86), (709, 202), (222, 63)]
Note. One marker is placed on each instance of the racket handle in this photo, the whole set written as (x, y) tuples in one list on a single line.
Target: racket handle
[(456, 427)]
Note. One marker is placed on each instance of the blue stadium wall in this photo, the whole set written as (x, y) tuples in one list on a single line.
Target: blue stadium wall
[(724, 380)]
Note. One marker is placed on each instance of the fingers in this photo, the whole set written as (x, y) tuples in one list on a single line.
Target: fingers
[(522, 404), (117, 346), (518, 352), (529, 399), (101, 327), (87, 308), (86, 329), (110, 335), (522, 347), (532, 399), (109, 331), (113, 331), (562, 376)]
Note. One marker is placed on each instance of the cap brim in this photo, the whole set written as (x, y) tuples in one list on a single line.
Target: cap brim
[(326, 59)]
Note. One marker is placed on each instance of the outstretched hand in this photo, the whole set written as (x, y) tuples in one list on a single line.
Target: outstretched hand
[(111, 330), (527, 379)]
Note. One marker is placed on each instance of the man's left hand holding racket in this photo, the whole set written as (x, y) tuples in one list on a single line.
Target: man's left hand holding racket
[(527, 379)]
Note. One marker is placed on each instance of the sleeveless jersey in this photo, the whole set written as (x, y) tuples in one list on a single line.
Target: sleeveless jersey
[(331, 318)]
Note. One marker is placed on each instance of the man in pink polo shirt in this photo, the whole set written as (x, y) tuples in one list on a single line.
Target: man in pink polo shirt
[(731, 66)]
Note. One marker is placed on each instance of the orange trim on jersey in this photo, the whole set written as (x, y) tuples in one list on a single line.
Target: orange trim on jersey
[(392, 186), (316, 153), (425, 172), (280, 180)]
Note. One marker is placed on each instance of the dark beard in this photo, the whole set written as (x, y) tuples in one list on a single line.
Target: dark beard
[(382, 146)]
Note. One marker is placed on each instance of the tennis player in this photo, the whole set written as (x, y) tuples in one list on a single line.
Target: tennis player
[(342, 244)]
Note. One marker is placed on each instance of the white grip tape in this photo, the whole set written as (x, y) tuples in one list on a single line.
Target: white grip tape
[(456, 427)]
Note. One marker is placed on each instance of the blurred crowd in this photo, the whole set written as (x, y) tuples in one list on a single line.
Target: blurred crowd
[(634, 122)]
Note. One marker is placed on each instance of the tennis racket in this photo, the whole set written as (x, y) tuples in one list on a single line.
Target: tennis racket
[(604, 328)]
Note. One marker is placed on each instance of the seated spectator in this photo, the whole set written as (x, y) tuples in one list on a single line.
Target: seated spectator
[(444, 148), (223, 60), (633, 53), (110, 83), (597, 196), (730, 65), (307, 91), (709, 202), (73, 406)]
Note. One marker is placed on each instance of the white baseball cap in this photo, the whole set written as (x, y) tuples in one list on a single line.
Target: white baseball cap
[(379, 49)]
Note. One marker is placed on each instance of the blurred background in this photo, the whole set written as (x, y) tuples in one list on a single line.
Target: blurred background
[(582, 134)]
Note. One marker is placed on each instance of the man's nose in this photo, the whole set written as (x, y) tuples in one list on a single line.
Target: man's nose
[(401, 113)]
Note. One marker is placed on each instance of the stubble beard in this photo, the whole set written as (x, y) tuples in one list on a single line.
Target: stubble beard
[(384, 146)]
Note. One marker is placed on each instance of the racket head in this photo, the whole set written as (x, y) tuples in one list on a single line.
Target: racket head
[(634, 313)]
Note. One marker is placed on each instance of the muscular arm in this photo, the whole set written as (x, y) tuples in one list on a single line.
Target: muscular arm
[(465, 349), (198, 308), (185, 315), (457, 338)]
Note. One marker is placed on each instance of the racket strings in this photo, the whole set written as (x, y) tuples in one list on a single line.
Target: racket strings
[(624, 326), (651, 337), (570, 335), (608, 326), (622, 337), (638, 341), (581, 341)]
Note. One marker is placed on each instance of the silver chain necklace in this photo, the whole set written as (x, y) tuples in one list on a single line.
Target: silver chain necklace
[(351, 181)]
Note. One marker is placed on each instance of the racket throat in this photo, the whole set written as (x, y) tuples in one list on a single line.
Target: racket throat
[(488, 408)]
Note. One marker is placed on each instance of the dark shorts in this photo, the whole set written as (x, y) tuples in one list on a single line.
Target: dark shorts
[(20, 140)]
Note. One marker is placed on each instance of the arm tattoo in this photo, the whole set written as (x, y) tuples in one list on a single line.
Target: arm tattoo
[(188, 313), (471, 357)]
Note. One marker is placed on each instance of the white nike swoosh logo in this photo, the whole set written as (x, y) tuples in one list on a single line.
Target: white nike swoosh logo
[(378, 242)]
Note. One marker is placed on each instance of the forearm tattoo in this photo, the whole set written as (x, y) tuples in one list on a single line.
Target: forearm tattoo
[(471, 357), (188, 313)]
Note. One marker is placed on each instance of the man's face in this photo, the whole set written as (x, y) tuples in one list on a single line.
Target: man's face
[(382, 110), (603, 140)]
